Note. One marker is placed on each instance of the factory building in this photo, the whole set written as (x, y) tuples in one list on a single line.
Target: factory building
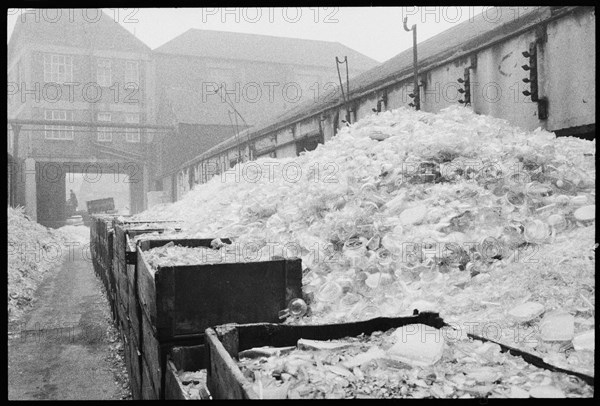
[(485, 64), (213, 85)]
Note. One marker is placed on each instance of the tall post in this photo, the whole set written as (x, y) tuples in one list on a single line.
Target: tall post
[(416, 70), (416, 92), (345, 95)]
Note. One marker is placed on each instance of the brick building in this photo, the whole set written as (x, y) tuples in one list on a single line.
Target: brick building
[(77, 66)]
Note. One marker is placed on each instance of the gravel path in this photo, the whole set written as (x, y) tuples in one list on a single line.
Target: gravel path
[(66, 346)]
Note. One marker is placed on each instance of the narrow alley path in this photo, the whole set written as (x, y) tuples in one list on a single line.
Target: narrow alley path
[(65, 347)]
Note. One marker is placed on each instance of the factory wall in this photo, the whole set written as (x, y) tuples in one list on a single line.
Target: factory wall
[(497, 84), (566, 70), (569, 77)]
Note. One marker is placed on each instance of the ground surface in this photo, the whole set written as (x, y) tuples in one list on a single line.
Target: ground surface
[(66, 346)]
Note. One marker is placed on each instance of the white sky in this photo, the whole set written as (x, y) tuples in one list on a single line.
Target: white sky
[(374, 31)]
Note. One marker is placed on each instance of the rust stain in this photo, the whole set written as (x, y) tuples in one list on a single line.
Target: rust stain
[(504, 58)]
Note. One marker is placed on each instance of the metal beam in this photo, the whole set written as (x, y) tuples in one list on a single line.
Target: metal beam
[(19, 121)]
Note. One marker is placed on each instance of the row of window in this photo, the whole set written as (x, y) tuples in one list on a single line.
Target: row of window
[(104, 134), (59, 69)]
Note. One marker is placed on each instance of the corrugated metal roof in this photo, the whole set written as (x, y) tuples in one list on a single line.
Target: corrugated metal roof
[(263, 48)]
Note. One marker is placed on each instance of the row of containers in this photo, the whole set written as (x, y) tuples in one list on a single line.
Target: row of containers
[(199, 317), (162, 313)]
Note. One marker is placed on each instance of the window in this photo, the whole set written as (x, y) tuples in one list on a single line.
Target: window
[(132, 134), (104, 133), (58, 132), (103, 73), (58, 68), (132, 73)]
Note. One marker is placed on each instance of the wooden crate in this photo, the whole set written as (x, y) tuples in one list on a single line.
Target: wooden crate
[(188, 298), (121, 276), (182, 301), (124, 249), (132, 228), (225, 379), (185, 358), (155, 352)]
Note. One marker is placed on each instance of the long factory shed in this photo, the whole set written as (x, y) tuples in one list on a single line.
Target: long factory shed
[(488, 47)]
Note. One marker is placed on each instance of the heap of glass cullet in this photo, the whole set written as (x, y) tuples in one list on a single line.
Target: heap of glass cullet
[(454, 212)]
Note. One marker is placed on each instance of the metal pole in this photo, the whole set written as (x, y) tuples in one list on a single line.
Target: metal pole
[(348, 91), (416, 69), (416, 91), (337, 65)]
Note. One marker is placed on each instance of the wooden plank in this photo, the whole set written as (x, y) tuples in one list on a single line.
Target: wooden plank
[(189, 358), (152, 354), (109, 245), (123, 320), (146, 290), (123, 287), (119, 242), (230, 339), (149, 392), (111, 283), (132, 362), (130, 272), (134, 314), (224, 380), (174, 389)]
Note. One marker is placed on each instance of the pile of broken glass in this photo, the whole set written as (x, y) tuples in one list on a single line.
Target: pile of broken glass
[(490, 225)]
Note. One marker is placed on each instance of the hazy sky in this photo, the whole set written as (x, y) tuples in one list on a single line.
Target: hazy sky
[(374, 31)]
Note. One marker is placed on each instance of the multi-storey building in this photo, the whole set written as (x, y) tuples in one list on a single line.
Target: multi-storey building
[(77, 66), (83, 70)]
